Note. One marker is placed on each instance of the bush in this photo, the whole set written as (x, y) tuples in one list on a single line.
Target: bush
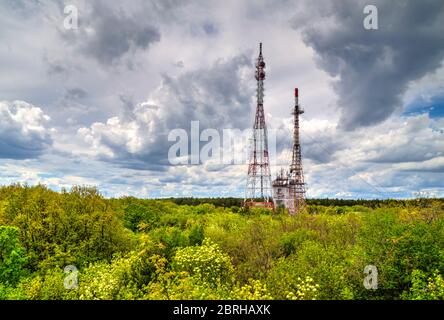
[(207, 263), (132, 248), (139, 217), (58, 229), (12, 256), (293, 240), (196, 235), (324, 265), (49, 286), (253, 290), (423, 288), (11, 293)]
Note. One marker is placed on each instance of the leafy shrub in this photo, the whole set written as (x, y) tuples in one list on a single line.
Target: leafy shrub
[(12, 256), (140, 217), (206, 262), (292, 240), (196, 235), (305, 289), (48, 286), (203, 250), (11, 293), (423, 288), (316, 262), (253, 290), (58, 229)]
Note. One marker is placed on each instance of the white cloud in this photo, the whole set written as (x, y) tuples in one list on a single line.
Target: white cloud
[(140, 138), (107, 138), (374, 160), (23, 130), (432, 165)]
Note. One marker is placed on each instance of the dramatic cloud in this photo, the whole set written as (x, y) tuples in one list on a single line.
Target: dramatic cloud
[(211, 96), (374, 67), (107, 33), (109, 93), (404, 139), (23, 131), (391, 159)]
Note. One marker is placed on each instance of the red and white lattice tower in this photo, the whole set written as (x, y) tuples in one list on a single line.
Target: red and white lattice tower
[(258, 190), (296, 173), (289, 187)]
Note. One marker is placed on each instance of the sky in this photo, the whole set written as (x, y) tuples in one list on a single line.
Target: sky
[(96, 104)]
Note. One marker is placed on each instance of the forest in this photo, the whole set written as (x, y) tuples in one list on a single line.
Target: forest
[(76, 244)]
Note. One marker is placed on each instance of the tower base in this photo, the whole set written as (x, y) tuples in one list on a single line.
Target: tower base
[(259, 204)]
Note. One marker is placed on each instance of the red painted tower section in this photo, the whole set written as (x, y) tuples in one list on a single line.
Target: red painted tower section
[(297, 183), (289, 186)]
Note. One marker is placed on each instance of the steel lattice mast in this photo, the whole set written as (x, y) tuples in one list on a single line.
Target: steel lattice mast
[(296, 176), (258, 190), (289, 186)]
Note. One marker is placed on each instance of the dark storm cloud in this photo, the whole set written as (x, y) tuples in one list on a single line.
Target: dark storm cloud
[(374, 66), (107, 33), (217, 96)]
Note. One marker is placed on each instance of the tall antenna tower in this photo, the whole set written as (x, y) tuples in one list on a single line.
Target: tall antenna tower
[(258, 190), (296, 173), (289, 187)]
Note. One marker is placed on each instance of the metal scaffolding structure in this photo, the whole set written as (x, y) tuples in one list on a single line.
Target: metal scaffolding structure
[(258, 189)]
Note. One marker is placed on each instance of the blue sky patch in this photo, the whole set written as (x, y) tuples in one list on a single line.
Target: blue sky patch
[(434, 108)]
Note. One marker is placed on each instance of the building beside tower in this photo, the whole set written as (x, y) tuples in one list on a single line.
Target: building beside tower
[(289, 186), (288, 189)]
